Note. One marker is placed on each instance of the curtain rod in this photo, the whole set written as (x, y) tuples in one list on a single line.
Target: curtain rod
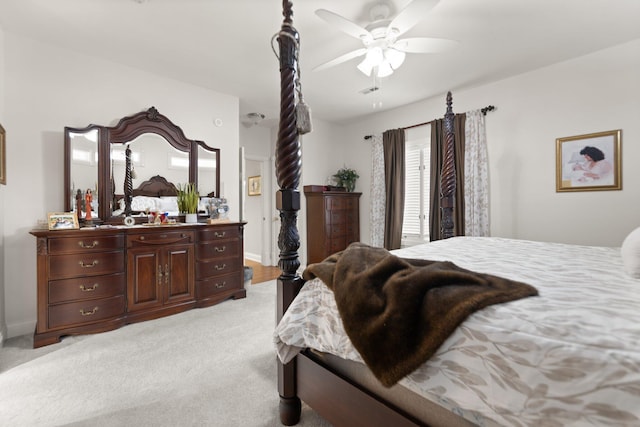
[(484, 112)]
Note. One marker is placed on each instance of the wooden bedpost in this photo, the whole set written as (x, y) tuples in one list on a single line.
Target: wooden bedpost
[(288, 163), (448, 174)]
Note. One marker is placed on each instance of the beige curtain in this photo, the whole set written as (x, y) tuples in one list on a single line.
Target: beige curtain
[(393, 145), (437, 157)]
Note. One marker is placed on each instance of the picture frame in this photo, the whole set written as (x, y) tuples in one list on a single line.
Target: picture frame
[(590, 162), (3, 157), (62, 221), (255, 185)]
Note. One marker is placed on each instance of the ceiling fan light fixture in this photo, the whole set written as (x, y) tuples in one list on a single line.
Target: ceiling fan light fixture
[(384, 69), (394, 57), (375, 56), (366, 67)]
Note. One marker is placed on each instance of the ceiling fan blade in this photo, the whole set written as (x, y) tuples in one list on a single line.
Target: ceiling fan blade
[(340, 59), (344, 24), (411, 15), (424, 45)]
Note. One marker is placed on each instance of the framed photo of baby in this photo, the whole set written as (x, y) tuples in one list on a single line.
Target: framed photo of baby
[(589, 162)]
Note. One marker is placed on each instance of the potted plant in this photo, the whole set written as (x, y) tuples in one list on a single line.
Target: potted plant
[(346, 177), (188, 199)]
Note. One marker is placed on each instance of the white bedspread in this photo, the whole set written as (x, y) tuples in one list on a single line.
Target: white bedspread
[(570, 357)]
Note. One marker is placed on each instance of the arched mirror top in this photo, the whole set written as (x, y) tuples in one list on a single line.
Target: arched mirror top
[(150, 121)]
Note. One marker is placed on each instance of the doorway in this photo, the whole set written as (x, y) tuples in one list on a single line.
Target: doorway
[(257, 207)]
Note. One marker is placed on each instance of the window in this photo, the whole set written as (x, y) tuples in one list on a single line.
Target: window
[(415, 223)]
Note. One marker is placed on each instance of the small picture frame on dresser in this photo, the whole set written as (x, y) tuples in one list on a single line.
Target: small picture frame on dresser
[(62, 220)]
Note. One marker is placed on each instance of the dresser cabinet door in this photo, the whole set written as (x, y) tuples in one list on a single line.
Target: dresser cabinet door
[(144, 276), (160, 269), (179, 280)]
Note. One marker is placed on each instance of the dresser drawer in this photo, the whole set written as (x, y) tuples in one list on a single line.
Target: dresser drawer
[(159, 239), (221, 249), (75, 313), (217, 267), (86, 288), (80, 265), (219, 233), (336, 230), (68, 245), (209, 287)]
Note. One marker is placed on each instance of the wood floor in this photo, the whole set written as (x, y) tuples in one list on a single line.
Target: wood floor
[(262, 273)]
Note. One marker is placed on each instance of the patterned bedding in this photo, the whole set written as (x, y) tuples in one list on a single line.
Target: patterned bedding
[(570, 357)]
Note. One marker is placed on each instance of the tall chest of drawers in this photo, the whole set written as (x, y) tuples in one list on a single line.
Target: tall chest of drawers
[(94, 280), (333, 222)]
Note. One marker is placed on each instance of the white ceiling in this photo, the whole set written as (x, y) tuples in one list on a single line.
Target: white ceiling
[(224, 45)]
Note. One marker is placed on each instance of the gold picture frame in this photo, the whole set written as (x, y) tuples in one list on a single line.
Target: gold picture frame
[(62, 221), (3, 157), (255, 185), (589, 162)]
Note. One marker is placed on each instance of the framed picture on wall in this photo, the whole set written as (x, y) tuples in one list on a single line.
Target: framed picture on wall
[(255, 185), (62, 220), (589, 162), (3, 157)]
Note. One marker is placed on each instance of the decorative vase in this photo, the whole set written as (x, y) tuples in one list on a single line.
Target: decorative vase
[(350, 186), (191, 218)]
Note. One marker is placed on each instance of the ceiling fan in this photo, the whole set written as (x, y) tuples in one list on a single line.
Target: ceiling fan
[(384, 52)]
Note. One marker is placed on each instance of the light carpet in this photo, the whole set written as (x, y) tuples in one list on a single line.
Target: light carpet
[(213, 366)]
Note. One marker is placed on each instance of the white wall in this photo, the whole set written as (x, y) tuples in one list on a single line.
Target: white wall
[(597, 92), (48, 88), (3, 325)]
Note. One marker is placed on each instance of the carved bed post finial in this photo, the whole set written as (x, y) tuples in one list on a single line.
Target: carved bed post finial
[(288, 162), (448, 174)]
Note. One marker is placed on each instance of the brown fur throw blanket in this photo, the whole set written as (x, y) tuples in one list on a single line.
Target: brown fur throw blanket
[(397, 312)]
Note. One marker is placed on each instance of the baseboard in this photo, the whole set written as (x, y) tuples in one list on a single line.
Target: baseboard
[(253, 257), (19, 329)]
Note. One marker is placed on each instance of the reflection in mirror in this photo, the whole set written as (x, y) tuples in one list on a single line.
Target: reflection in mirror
[(151, 155), (83, 167), (208, 171)]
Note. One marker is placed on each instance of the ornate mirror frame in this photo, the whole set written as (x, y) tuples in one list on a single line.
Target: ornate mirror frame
[(128, 129)]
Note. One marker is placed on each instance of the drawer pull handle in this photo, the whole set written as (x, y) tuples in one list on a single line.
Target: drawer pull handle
[(85, 246), (93, 264), (84, 288), (222, 249), (217, 234), (166, 274), (221, 285), (89, 313), (221, 267)]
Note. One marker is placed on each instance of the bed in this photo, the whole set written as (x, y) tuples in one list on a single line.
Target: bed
[(156, 194), (570, 356)]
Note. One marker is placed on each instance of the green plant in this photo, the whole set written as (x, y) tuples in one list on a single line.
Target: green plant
[(188, 198), (346, 177)]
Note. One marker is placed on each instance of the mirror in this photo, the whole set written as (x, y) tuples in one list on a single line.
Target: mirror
[(208, 170), (95, 158), (151, 155), (81, 164)]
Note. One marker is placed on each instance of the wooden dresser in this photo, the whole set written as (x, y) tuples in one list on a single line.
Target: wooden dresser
[(333, 221), (94, 280)]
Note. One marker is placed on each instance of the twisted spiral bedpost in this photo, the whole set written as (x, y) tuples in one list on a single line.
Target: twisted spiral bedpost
[(448, 174), (288, 162), (288, 157), (128, 182)]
